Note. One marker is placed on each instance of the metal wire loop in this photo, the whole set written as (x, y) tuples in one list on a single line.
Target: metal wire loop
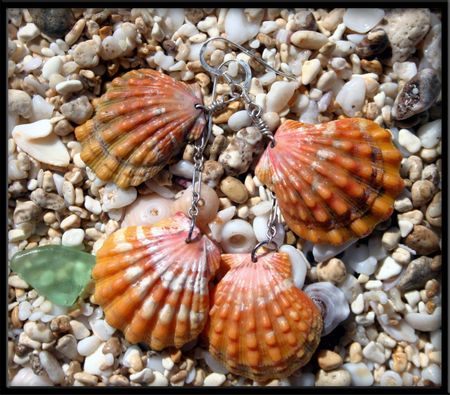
[(270, 244)]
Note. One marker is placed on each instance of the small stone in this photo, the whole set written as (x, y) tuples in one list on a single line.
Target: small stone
[(38, 331), (51, 67), (28, 32), (214, 379), (47, 200), (405, 70), (339, 378), (357, 305), (355, 352), (391, 238), (414, 216), (19, 102), (239, 120), (361, 374), (144, 376), (417, 95), (54, 22), (234, 189), (418, 272), (85, 54), (307, 39), (361, 20), (329, 360), (86, 378), (351, 96), (79, 330), (279, 95), (159, 380), (26, 211), (74, 34), (423, 240), (388, 269), (78, 110), (434, 211), (69, 86), (238, 28), (405, 227), (430, 133), (92, 205), (422, 192), (409, 140), (73, 237), (310, 70), (52, 367), (115, 197), (333, 270), (67, 345), (373, 44), (374, 352)]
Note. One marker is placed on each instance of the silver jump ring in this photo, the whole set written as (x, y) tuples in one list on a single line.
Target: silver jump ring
[(270, 243)]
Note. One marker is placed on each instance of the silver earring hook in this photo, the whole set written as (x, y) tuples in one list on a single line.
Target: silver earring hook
[(216, 71)]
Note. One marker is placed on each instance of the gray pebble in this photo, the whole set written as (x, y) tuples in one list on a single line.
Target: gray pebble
[(54, 22), (374, 44), (47, 200), (78, 110), (417, 95), (418, 272), (26, 212)]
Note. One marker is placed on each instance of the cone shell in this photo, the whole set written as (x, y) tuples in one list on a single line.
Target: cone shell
[(334, 181), (261, 326), (144, 118), (152, 285)]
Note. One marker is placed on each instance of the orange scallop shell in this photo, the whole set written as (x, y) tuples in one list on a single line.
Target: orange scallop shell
[(334, 181), (141, 122), (152, 285), (262, 326)]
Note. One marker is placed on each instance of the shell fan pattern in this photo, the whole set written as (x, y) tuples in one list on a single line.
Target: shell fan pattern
[(261, 325), (154, 286), (141, 122), (334, 181)]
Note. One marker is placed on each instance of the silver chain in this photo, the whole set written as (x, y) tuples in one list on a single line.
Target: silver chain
[(272, 223)]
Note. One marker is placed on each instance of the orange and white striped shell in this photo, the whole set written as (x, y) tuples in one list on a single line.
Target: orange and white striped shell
[(334, 181), (142, 121), (261, 325), (152, 285)]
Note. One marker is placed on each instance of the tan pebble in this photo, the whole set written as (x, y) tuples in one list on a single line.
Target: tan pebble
[(339, 377), (422, 192), (307, 39), (399, 361), (234, 189), (60, 324), (423, 240), (72, 221), (178, 378), (199, 377), (434, 211), (135, 362), (355, 352), (329, 360), (86, 378), (118, 380), (333, 270), (225, 203), (250, 185), (372, 66), (15, 318), (175, 356)]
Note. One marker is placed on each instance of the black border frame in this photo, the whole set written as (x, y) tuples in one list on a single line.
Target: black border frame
[(442, 5)]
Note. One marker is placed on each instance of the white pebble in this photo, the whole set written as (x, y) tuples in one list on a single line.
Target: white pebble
[(115, 197), (102, 329), (361, 20), (213, 363), (388, 269), (130, 354), (88, 345), (261, 208), (374, 352), (425, 322), (409, 140), (164, 61), (237, 28), (239, 120), (299, 264), (323, 252), (260, 227), (154, 362), (310, 70), (96, 359), (430, 133), (70, 86), (32, 64), (52, 367), (159, 380), (405, 70), (28, 32), (238, 237), (279, 95), (183, 168), (73, 237), (361, 374), (357, 305), (214, 379), (26, 377), (390, 378), (351, 96), (41, 108), (24, 310), (405, 227), (433, 373), (92, 205)]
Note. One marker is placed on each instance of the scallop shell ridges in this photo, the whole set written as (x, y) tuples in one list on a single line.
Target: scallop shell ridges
[(262, 326), (152, 285), (334, 181), (142, 120)]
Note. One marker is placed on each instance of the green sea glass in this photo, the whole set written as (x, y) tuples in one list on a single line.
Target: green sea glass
[(56, 272)]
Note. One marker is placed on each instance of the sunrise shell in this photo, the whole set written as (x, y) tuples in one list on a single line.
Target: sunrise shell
[(152, 285), (144, 119), (334, 181), (261, 325)]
